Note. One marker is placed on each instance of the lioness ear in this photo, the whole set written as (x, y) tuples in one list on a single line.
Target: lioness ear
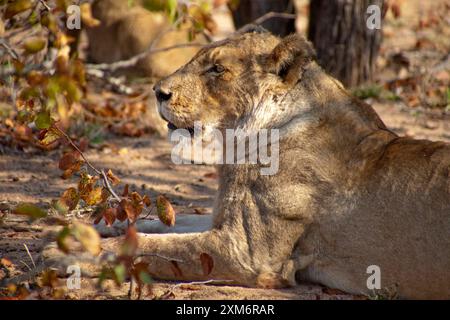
[(289, 57)]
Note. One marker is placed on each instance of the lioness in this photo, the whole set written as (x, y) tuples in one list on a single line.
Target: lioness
[(126, 30), (349, 193)]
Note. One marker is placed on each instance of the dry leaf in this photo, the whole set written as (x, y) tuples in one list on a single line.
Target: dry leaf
[(109, 215), (114, 180), (30, 210), (166, 213), (94, 197), (87, 236), (146, 200), (125, 191), (70, 198), (130, 244), (207, 263), (176, 269), (132, 210)]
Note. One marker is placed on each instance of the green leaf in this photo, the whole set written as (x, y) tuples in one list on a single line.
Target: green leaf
[(60, 206), (50, 136), (172, 9), (106, 273), (48, 20), (53, 88), (120, 273), (61, 239), (145, 277), (34, 44), (233, 4), (43, 120), (154, 5), (71, 89), (30, 210), (87, 236), (16, 7)]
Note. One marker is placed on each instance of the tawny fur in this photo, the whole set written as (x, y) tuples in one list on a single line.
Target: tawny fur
[(349, 192), (127, 30)]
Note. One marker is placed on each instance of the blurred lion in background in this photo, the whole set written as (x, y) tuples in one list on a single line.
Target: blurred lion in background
[(128, 29)]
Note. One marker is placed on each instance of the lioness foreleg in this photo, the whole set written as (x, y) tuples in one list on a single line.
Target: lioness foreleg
[(178, 257)]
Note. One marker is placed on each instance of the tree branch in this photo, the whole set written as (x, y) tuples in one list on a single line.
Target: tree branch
[(134, 60), (108, 186), (116, 83), (271, 15), (99, 172), (159, 256), (4, 43), (69, 140)]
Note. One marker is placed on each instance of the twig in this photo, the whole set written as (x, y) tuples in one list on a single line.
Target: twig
[(271, 15), (69, 140), (115, 82), (99, 172), (159, 256), (149, 211), (108, 186), (29, 268), (163, 33), (7, 72), (29, 254), (132, 61), (212, 281), (142, 96), (8, 48), (130, 290), (45, 5)]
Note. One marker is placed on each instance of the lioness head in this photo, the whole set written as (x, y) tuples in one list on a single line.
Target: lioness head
[(228, 80)]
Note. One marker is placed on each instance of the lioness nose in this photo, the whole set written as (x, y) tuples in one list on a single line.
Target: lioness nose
[(162, 94)]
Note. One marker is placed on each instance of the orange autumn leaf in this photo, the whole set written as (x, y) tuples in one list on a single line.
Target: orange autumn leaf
[(70, 198), (70, 164), (166, 213), (94, 197), (146, 200), (207, 263), (130, 244), (114, 180), (109, 215)]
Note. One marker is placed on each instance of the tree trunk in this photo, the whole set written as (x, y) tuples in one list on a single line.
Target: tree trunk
[(345, 46), (248, 11)]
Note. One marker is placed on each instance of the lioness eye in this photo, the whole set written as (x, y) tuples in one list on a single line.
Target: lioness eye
[(217, 68)]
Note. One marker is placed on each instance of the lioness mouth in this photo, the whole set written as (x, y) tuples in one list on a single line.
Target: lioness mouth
[(171, 126)]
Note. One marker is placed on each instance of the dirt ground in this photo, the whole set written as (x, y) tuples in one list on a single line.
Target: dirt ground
[(144, 163)]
